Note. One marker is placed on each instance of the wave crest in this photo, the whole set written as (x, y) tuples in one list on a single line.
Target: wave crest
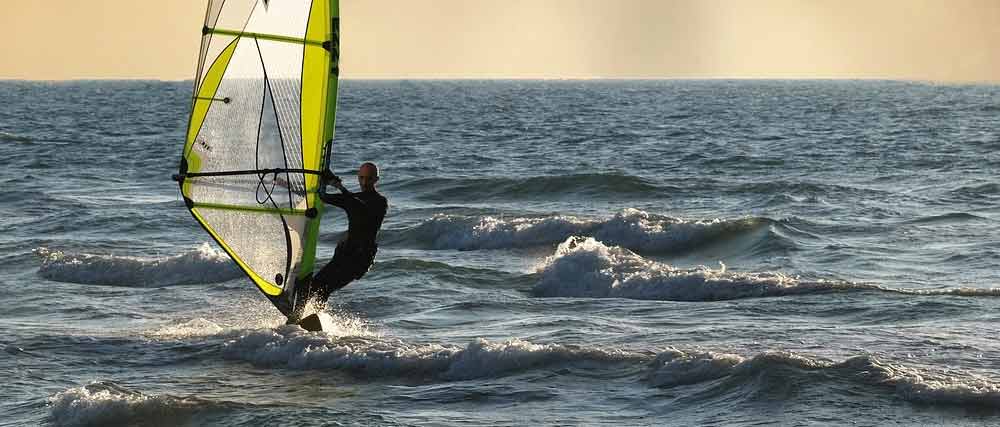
[(923, 386), (293, 348), (106, 403), (677, 368), (204, 264), (585, 267), (4, 136), (632, 228)]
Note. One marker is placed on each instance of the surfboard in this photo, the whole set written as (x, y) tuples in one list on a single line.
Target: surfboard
[(260, 135)]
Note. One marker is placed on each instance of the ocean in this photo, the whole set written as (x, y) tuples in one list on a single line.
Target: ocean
[(580, 252)]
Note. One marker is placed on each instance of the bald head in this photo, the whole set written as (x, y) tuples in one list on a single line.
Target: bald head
[(367, 176), (368, 167)]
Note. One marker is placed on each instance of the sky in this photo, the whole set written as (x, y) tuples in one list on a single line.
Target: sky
[(929, 40)]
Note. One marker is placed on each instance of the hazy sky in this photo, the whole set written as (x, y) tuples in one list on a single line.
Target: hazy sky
[(896, 39)]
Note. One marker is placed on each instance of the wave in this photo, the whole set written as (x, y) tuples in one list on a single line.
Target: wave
[(591, 185), (107, 403), (976, 191), (291, 347), (373, 356), (953, 217), (955, 292), (254, 314), (744, 161), (677, 368), (585, 267), (810, 189), (632, 228), (477, 277), (4, 136), (204, 264)]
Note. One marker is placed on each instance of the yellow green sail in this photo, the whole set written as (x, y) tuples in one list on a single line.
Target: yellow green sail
[(262, 119)]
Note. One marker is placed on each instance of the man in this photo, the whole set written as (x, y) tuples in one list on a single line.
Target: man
[(355, 254)]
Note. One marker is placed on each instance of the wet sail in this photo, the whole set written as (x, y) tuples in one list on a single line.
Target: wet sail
[(259, 134)]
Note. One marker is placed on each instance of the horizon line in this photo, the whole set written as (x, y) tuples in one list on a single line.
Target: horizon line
[(574, 78)]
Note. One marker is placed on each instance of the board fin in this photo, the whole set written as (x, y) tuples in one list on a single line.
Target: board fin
[(317, 322)]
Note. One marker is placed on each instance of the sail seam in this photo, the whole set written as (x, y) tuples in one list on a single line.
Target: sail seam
[(249, 172)]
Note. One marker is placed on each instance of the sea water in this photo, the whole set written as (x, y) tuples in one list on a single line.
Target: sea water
[(556, 253)]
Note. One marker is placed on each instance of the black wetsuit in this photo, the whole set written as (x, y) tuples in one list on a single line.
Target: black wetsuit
[(356, 253)]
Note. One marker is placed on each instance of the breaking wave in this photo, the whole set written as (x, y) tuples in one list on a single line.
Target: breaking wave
[(632, 228), (107, 403), (291, 347), (585, 267), (204, 264), (676, 368)]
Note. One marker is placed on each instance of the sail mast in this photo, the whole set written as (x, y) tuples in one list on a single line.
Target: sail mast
[(325, 17)]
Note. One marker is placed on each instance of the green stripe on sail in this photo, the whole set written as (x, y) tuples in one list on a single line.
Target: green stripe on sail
[(239, 208), (262, 36)]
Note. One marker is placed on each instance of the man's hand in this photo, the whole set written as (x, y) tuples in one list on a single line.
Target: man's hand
[(337, 183), (330, 179)]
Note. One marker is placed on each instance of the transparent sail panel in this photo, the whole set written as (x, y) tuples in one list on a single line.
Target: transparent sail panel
[(280, 17), (266, 260)]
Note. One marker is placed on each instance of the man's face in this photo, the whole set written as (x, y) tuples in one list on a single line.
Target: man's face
[(367, 178)]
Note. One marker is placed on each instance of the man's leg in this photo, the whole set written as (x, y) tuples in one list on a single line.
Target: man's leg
[(333, 276), (348, 264), (303, 291)]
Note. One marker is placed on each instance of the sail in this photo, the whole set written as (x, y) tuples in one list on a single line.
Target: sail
[(259, 134)]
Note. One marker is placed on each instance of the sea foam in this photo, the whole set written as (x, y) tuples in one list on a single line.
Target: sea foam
[(585, 267), (106, 403), (676, 367), (375, 356), (291, 347), (204, 264)]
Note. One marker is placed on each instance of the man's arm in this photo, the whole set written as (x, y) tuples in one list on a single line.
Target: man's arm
[(339, 200), (345, 199)]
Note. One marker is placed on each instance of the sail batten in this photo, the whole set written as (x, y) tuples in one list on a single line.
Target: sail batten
[(263, 36), (261, 119)]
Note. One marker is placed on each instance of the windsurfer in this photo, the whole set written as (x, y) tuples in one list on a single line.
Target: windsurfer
[(355, 253)]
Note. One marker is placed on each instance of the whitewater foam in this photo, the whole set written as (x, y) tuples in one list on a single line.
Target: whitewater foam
[(675, 367), (204, 264), (106, 403), (291, 347), (198, 327), (585, 267)]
